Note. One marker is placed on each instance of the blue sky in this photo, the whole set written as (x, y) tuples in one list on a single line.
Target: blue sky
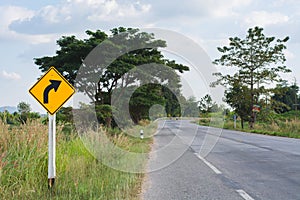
[(29, 29)]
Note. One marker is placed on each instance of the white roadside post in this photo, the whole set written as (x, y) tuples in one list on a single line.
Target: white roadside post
[(51, 150), (141, 134)]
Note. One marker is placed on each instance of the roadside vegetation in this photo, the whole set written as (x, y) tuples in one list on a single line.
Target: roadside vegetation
[(259, 99), (23, 164), (285, 124)]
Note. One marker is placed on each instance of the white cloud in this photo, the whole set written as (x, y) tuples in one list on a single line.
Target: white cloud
[(9, 14), (227, 8), (73, 16), (10, 75), (280, 3), (264, 18), (113, 10)]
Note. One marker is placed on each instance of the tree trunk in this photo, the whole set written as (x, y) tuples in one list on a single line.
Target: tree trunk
[(108, 122), (242, 123), (251, 121)]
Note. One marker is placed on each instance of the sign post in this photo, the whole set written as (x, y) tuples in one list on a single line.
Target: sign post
[(52, 90), (234, 120), (51, 150)]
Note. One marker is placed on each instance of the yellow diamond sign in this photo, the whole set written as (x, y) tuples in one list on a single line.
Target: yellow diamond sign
[(52, 90)]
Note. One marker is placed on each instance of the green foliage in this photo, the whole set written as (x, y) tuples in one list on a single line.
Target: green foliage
[(23, 107), (24, 110), (104, 114), (239, 97), (64, 115), (206, 104), (172, 102), (190, 108), (284, 125), (18, 118), (143, 99), (259, 61), (72, 52), (285, 98)]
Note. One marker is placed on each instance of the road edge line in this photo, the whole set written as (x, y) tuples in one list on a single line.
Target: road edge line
[(244, 194), (211, 166)]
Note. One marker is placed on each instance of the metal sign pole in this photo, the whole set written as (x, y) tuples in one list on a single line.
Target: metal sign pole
[(51, 151)]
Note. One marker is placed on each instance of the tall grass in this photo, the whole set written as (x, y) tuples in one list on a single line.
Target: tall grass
[(23, 166)]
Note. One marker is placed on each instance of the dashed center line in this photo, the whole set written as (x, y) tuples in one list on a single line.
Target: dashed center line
[(244, 195), (216, 170)]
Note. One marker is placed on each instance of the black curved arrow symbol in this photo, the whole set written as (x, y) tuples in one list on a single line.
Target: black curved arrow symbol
[(54, 85)]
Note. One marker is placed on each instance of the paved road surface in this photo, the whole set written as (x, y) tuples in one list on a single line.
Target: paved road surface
[(240, 166)]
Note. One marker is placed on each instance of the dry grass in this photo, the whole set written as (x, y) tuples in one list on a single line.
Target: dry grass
[(23, 166), (288, 128)]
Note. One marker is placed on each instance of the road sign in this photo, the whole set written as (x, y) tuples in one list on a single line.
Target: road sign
[(256, 108), (52, 90)]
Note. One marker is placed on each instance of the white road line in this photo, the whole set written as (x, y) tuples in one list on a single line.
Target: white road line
[(244, 195), (209, 164)]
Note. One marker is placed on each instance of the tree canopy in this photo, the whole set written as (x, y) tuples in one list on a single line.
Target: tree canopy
[(134, 48), (259, 60)]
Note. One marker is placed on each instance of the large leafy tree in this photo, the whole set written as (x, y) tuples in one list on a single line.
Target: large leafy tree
[(73, 51), (259, 60)]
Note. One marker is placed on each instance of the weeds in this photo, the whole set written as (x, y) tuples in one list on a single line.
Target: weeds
[(23, 165)]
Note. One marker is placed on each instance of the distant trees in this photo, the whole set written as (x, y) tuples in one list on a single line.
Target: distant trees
[(23, 107), (259, 60), (24, 110), (286, 98), (21, 117), (191, 108), (206, 104)]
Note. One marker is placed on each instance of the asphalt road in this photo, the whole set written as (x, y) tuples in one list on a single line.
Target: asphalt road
[(240, 166)]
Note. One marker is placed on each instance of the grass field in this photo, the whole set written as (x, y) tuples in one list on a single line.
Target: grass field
[(23, 165), (284, 125)]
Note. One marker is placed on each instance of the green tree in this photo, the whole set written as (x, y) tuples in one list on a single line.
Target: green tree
[(173, 99), (64, 115), (285, 98), (239, 97), (191, 107), (259, 60), (143, 99), (24, 110), (73, 52), (206, 104), (23, 107)]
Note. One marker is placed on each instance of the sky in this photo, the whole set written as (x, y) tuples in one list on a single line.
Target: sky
[(29, 29)]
